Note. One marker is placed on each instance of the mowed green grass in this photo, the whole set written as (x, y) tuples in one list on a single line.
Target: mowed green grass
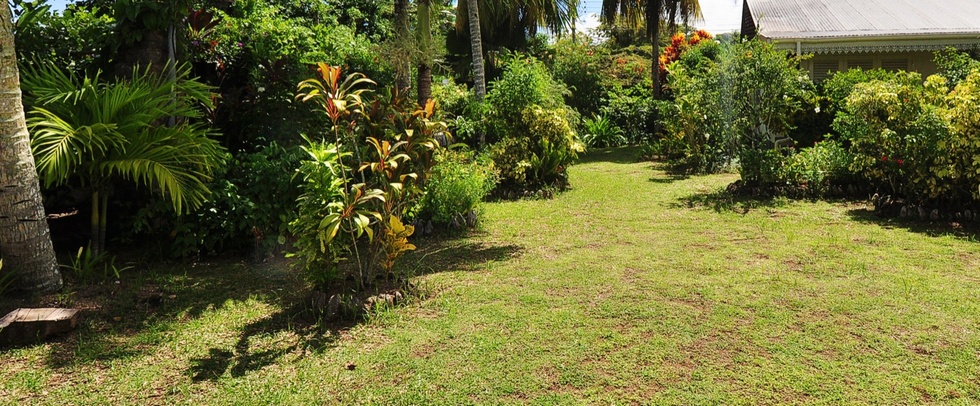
[(634, 287)]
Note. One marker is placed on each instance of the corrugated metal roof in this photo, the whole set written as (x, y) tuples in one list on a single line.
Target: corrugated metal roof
[(813, 19)]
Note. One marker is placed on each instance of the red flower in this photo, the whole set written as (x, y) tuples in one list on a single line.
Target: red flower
[(899, 162), (884, 158)]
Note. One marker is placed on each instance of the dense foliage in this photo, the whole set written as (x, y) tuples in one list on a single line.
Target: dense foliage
[(732, 101)]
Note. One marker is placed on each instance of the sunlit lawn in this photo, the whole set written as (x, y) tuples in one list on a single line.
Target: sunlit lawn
[(635, 287)]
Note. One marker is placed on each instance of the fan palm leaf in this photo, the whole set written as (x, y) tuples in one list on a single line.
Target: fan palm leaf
[(101, 133)]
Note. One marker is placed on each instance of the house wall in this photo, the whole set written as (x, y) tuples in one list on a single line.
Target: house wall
[(821, 65)]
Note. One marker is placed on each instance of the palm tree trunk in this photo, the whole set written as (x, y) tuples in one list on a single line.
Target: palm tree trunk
[(424, 33), (476, 46), (672, 19), (25, 241), (403, 69), (653, 32), (94, 242), (103, 218)]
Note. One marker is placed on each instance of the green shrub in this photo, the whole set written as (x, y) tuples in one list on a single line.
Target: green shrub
[(763, 167), (726, 108), (581, 66), (459, 182), (601, 132), (633, 110), (531, 128), (898, 134), (524, 83), (453, 99), (252, 200), (955, 66), (819, 167), (841, 84)]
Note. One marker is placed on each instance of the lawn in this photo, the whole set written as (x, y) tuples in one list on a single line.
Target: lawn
[(634, 287)]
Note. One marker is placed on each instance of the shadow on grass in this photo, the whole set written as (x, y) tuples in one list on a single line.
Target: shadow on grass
[(248, 354), (135, 318), (961, 230), (668, 178), (131, 318), (724, 202), (440, 254), (618, 155)]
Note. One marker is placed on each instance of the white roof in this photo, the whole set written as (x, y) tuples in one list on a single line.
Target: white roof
[(828, 19)]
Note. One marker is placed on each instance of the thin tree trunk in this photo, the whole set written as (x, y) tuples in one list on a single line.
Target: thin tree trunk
[(403, 69), (424, 83), (653, 32), (672, 20), (424, 33), (476, 46), (103, 219), (25, 241), (94, 242)]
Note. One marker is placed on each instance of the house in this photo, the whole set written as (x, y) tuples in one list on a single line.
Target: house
[(844, 34)]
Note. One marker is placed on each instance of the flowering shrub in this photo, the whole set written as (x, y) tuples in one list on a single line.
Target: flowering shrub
[(679, 43), (916, 139), (731, 99)]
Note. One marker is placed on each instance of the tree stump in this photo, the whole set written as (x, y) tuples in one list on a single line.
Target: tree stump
[(25, 326)]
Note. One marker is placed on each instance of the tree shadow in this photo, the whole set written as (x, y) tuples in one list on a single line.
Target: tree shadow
[(441, 253), (618, 155), (965, 230), (131, 319), (668, 178), (250, 353), (724, 202)]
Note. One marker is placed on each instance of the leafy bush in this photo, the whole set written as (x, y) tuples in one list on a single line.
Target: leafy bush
[(738, 103), (524, 83), (841, 84), (633, 110), (581, 66), (817, 168), (459, 182), (955, 66), (452, 99), (601, 132), (252, 200), (531, 128)]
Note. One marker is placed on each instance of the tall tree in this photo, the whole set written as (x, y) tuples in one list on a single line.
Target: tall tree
[(25, 241), (423, 31), (403, 69), (511, 23), (652, 13), (476, 46)]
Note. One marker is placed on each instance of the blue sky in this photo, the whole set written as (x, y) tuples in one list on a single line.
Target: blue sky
[(720, 16)]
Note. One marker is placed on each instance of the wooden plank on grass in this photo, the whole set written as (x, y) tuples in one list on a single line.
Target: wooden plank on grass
[(24, 326)]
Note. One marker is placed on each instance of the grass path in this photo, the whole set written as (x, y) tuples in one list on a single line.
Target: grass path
[(635, 287)]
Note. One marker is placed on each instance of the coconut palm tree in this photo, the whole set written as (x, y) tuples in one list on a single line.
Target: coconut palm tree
[(510, 23), (25, 242), (102, 133), (423, 31), (472, 12), (652, 13)]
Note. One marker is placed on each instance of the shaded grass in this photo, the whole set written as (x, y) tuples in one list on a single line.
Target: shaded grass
[(621, 290)]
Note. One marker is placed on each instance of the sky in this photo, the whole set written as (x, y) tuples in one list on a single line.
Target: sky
[(720, 16)]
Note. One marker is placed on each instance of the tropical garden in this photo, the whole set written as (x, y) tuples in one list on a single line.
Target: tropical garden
[(418, 202)]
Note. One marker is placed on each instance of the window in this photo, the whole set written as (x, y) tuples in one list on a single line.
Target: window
[(895, 64), (863, 63), (823, 69)]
